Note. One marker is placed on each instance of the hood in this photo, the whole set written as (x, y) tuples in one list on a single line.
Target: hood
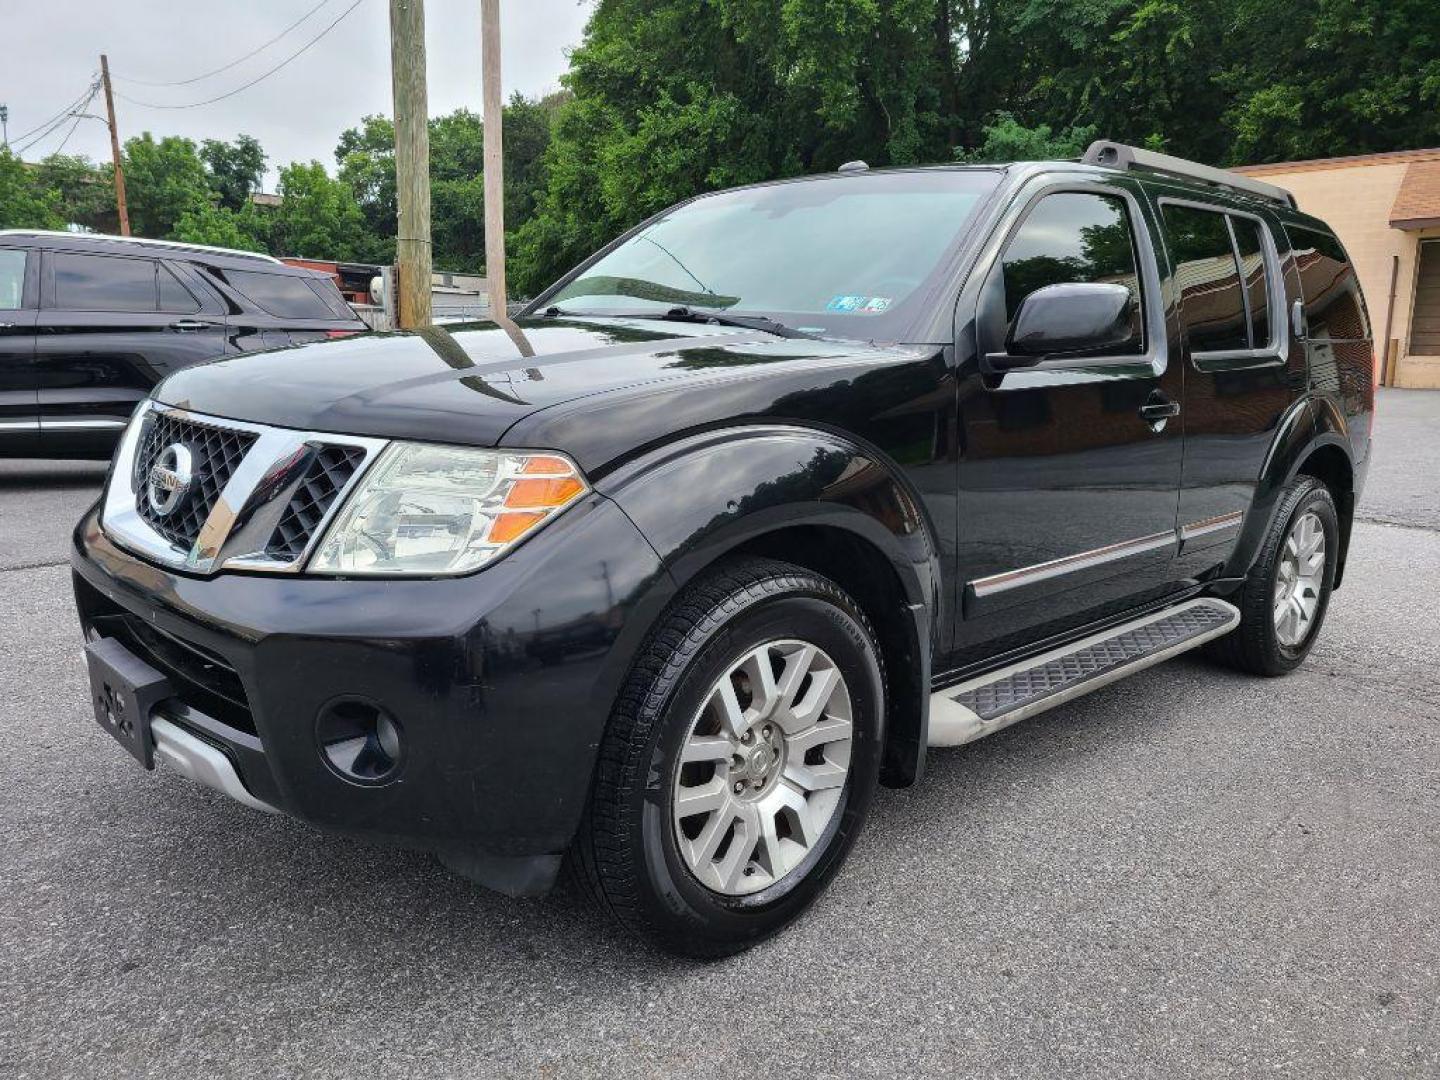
[(472, 383)]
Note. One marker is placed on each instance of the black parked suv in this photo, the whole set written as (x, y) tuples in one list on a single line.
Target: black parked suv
[(781, 488), (89, 324)]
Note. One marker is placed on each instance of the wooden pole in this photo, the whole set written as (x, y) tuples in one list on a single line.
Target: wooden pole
[(494, 107), (120, 207), (1387, 376), (412, 163)]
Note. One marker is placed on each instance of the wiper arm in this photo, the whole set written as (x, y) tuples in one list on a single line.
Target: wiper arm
[(749, 322)]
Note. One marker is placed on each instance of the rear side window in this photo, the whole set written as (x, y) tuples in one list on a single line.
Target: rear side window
[(1073, 236), (1207, 275), (12, 279), (281, 295), (174, 296), (1334, 306), (1251, 249), (103, 282)]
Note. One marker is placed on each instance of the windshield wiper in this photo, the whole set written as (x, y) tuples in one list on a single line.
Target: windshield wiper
[(749, 322)]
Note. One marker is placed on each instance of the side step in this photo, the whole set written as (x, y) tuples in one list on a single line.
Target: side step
[(997, 699)]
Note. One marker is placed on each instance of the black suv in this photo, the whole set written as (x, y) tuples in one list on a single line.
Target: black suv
[(89, 324), (781, 488)]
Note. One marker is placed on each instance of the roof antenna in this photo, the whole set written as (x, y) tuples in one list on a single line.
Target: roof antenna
[(854, 166)]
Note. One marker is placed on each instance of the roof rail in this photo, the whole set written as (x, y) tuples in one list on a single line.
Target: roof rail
[(1115, 155), (174, 245)]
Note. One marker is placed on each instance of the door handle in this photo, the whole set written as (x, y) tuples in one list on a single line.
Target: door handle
[(190, 324), (1159, 408)]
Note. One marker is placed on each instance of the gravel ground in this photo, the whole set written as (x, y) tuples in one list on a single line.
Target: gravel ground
[(1190, 873)]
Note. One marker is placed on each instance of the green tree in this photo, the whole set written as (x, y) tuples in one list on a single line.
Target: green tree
[(318, 216), (366, 159), (86, 191), (1006, 139), (24, 204), (164, 180), (235, 168), (220, 226)]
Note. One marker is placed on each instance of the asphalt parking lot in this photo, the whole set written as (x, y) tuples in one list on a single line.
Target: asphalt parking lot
[(1190, 873)]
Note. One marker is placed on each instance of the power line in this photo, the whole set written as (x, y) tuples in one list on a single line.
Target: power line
[(80, 114), (259, 78), (233, 63), (64, 112), (76, 110)]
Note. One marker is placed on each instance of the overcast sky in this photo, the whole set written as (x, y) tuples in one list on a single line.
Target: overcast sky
[(51, 48)]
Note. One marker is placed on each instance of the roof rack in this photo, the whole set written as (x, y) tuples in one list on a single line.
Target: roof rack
[(174, 245), (1115, 155)]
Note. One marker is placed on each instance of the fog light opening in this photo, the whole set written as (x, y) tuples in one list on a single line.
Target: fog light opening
[(359, 740)]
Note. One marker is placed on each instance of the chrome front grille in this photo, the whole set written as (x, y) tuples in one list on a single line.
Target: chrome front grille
[(252, 497), (330, 470), (216, 452)]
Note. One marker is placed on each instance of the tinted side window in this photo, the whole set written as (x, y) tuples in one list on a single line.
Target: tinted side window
[(1073, 236), (174, 296), (1257, 290), (1212, 306), (1334, 307), (103, 282), (12, 279), (280, 295)]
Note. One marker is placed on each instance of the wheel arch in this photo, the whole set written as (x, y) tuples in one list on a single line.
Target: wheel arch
[(818, 500), (1310, 440)]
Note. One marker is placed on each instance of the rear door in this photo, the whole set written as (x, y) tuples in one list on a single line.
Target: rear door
[(19, 427), (1242, 376), (109, 328), (1067, 480)]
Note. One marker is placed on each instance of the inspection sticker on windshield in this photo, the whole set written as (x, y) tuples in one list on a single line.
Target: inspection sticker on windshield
[(859, 305)]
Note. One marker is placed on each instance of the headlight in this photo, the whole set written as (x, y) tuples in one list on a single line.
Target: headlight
[(436, 510)]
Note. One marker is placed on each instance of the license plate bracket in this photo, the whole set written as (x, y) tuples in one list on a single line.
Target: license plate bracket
[(124, 690)]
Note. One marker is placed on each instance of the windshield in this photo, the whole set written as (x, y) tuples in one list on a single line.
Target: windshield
[(839, 255)]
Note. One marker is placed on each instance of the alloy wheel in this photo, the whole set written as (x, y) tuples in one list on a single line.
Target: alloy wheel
[(1299, 580), (763, 767)]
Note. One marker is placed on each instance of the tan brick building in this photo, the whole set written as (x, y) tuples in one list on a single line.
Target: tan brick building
[(1386, 209)]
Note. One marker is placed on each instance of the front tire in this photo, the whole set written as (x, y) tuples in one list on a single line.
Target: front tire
[(739, 762), (1287, 592)]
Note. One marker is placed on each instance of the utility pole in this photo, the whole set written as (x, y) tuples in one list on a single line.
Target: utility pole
[(5, 126), (120, 206), (493, 106), (412, 163)]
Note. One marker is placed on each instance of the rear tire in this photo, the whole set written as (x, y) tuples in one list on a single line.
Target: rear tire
[(1287, 592), (783, 659)]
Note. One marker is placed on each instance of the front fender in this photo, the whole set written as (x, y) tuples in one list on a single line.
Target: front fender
[(703, 496)]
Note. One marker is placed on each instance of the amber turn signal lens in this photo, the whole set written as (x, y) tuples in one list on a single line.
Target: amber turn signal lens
[(536, 493), (547, 465), (513, 524)]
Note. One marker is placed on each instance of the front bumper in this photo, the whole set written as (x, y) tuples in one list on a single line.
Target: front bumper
[(500, 682)]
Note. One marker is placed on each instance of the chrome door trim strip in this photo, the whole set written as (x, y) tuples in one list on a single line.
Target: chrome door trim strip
[(19, 425), (982, 588), (1206, 526), (107, 424)]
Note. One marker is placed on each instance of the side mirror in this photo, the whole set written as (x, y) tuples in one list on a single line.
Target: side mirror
[(1071, 317)]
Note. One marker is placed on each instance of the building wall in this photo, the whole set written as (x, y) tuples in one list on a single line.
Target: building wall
[(1354, 197)]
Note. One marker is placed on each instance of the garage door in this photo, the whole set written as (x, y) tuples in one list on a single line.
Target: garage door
[(1425, 327)]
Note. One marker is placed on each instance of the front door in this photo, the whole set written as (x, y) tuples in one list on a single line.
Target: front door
[(1069, 468), (18, 425)]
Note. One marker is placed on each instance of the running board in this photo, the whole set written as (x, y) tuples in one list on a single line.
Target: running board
[(971, 710)]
